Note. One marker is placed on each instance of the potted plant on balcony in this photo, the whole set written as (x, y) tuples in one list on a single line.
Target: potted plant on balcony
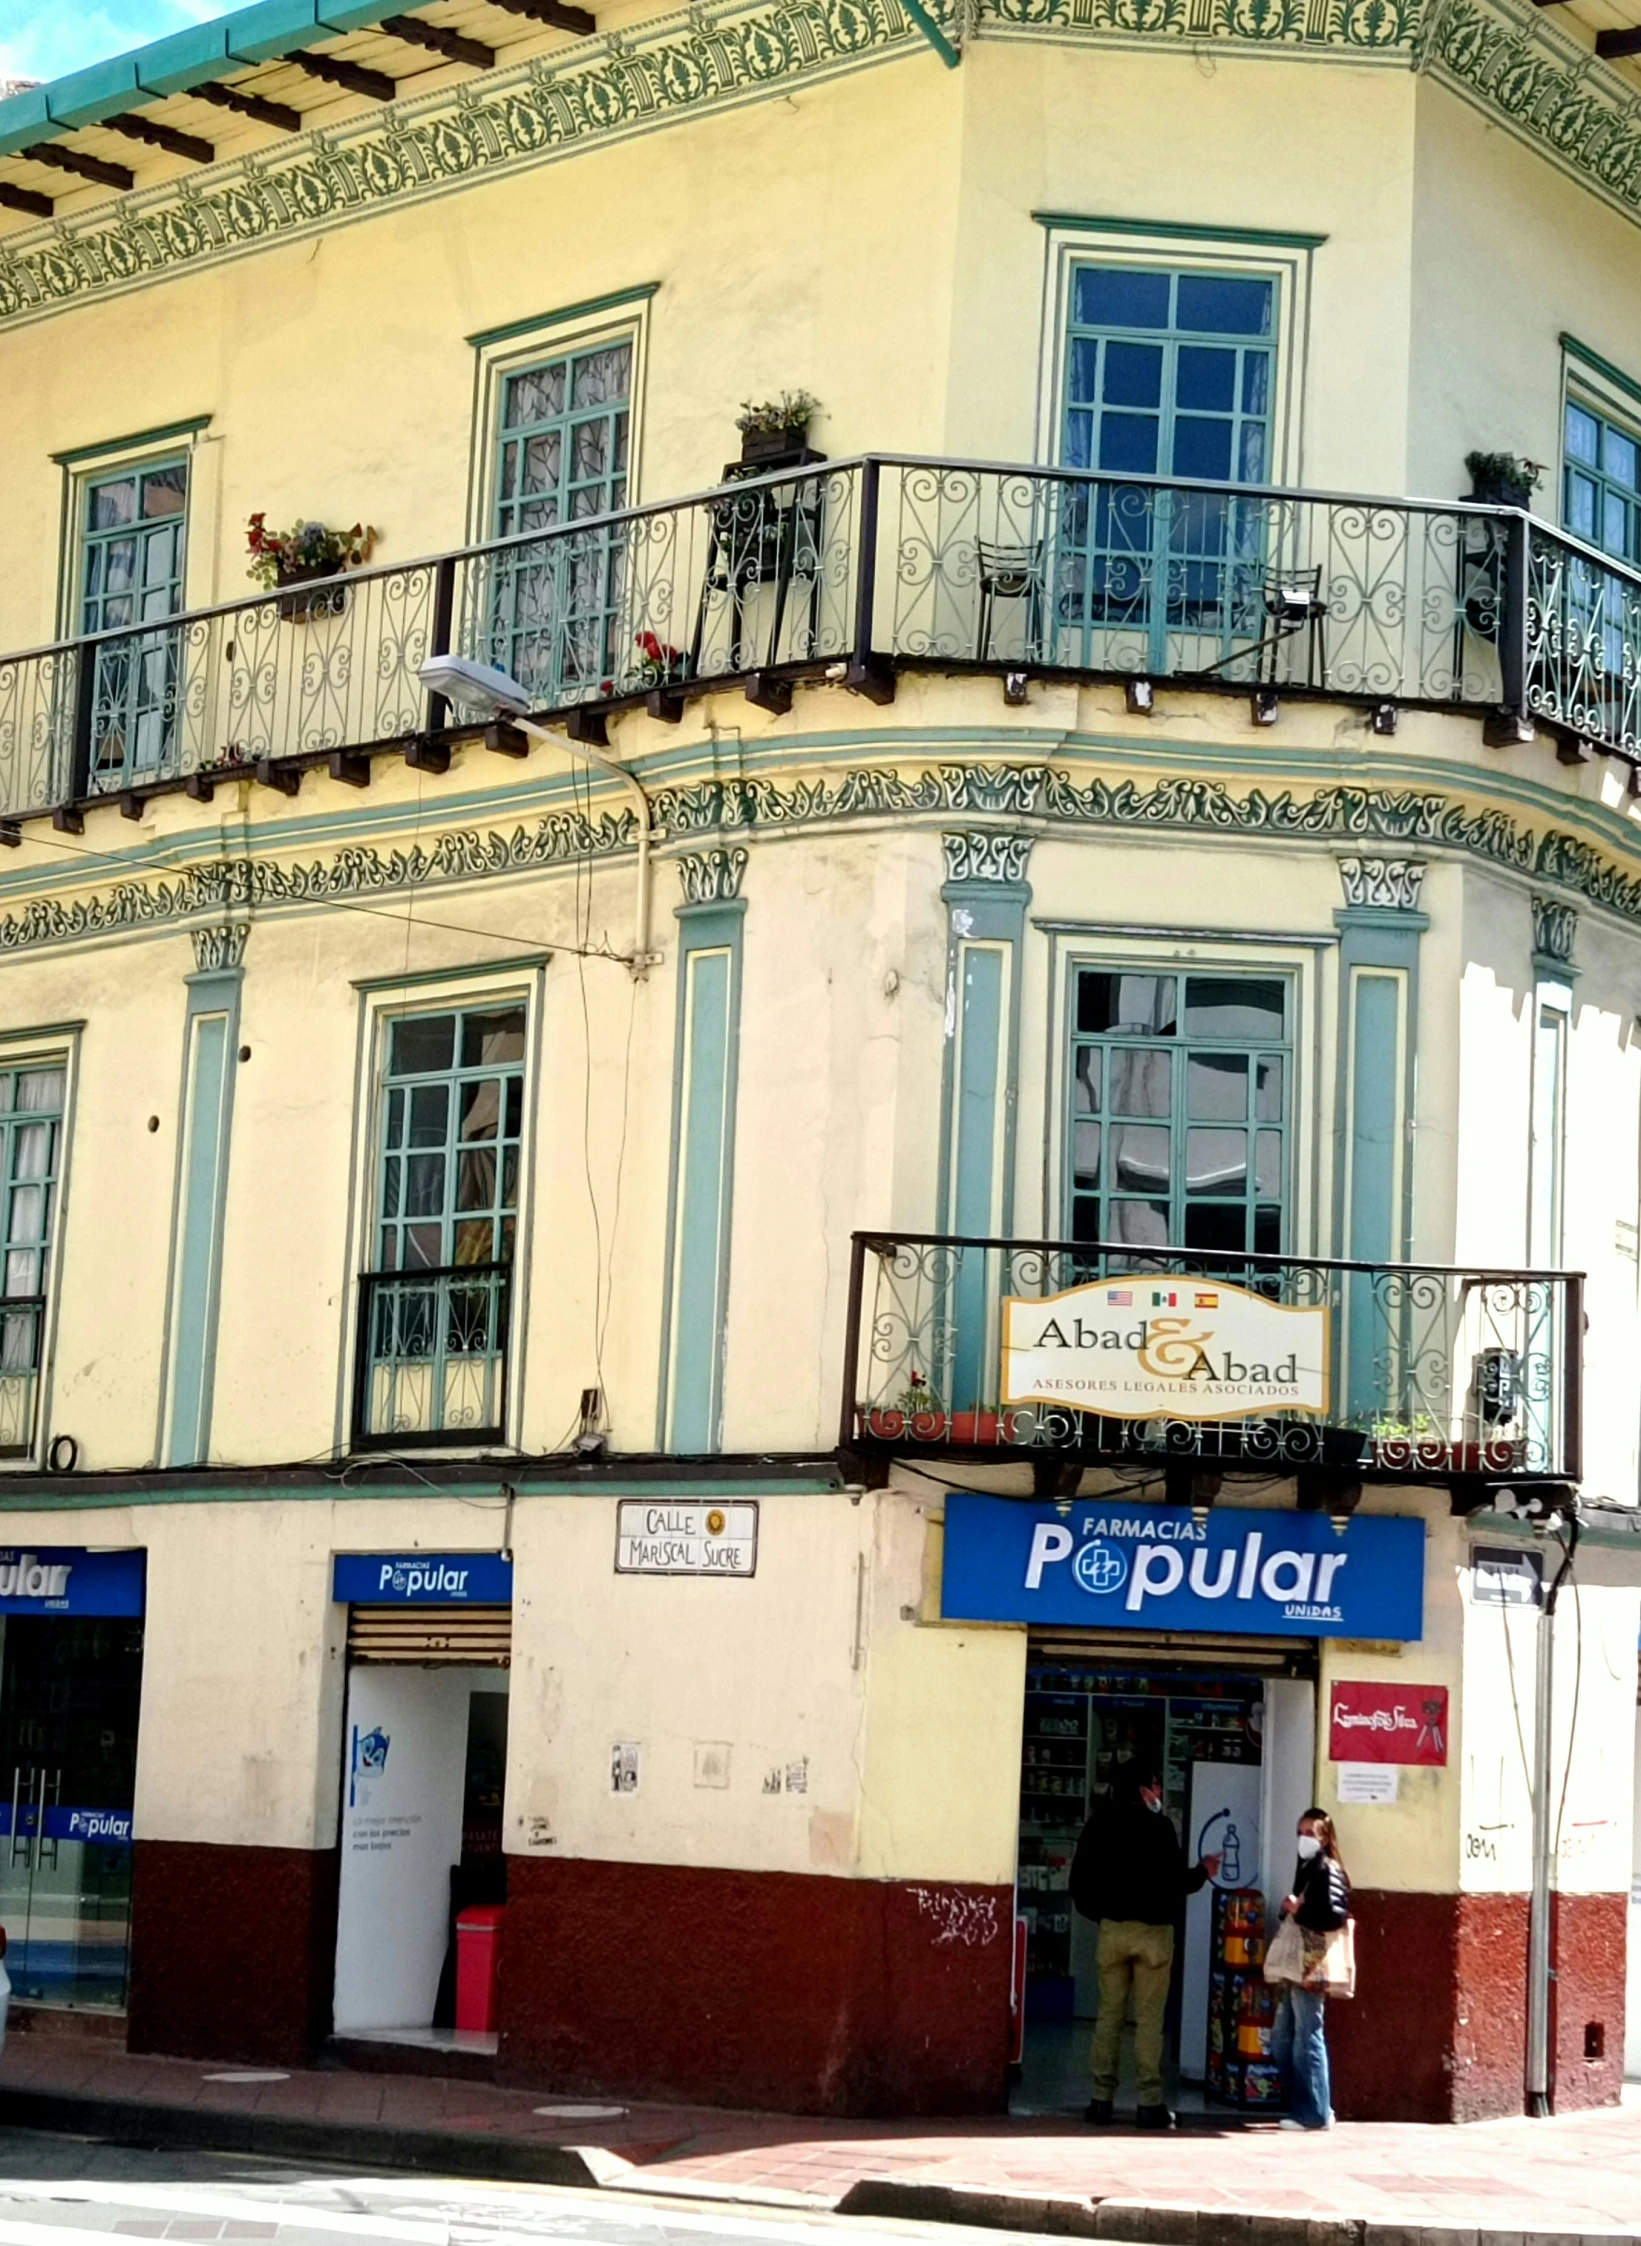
[(301, 555), (1503, 479), (775, 429)]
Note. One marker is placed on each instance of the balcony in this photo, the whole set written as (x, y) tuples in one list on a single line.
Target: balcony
[(432, 1358), (855, 570), (1080, 1354)]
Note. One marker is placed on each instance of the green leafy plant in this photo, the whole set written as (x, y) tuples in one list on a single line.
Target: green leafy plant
[(1506, 468), (770, 417), (276, 555), (917, 1395)]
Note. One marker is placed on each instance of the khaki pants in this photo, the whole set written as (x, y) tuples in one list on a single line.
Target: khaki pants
[(1133, 1956)]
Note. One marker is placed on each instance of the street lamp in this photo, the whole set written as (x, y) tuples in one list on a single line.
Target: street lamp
[(479, 686)]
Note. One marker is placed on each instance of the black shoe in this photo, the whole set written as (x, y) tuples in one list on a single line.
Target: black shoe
[(1098, 2110), (1153, 2117)]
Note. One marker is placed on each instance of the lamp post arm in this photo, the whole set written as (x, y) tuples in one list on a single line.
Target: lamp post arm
[(643, 959)]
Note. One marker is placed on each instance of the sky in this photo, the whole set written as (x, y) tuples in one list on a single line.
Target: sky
[(45, 38)]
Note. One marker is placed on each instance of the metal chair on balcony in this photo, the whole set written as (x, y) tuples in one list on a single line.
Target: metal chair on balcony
[(1291, 602), (1008, 573)]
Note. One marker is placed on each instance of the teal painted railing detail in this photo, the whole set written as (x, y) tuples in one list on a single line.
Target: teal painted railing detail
[(708, 1037), (208, 1090)]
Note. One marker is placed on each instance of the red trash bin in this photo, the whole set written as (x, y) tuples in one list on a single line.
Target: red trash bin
[(478, 1953)]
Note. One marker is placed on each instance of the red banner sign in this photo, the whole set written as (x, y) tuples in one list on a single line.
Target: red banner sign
[(1388, 1723)]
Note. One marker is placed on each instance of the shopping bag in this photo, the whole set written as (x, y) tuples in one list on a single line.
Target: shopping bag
[(1285, 1959), (1329, 1960)]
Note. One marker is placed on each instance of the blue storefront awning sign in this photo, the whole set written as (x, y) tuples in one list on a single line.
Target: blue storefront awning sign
[(423, 1579), (67, 1579), (1159, 1567)]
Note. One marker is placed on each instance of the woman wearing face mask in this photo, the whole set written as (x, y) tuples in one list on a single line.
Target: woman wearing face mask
[(1319, 1904)]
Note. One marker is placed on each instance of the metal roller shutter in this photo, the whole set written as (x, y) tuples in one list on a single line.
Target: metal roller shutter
[(479, 1634), (1127, 1649)]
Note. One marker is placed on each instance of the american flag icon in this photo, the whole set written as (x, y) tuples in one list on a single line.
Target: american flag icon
[(1121, 1298)]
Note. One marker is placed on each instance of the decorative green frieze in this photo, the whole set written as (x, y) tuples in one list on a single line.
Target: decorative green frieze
[(1355, 24), (621, 83), (1191, 809), (1510, 60)]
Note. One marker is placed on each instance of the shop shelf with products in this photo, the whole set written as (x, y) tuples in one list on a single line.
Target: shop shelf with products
[(1241, 2005)]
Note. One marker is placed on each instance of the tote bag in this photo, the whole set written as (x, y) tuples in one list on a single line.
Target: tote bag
[(1330, 1960), (1285, 1959)]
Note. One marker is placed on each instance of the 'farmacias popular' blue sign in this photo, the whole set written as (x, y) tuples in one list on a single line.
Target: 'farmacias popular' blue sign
[(423, 1579), (1157, 1567)]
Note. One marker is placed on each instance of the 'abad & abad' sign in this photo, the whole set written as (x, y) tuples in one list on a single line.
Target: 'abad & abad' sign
[(1145, 1348)]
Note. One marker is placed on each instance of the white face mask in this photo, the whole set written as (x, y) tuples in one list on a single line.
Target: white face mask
[(1309, 1846)]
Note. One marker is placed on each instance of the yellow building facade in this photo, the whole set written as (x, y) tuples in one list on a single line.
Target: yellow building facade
[(549, 1059)]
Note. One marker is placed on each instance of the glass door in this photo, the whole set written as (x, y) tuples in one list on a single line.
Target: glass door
[(70, 1686), (131, 574)]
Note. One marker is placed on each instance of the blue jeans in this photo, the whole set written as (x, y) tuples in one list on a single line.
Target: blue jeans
[(1300, 2049)]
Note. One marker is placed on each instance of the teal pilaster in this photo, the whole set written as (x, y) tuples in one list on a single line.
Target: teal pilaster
[(209, 1065), (1379, 930), (986, 896), (700, 1197)]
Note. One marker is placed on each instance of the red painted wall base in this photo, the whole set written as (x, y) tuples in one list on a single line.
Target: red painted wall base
[(776, 1989), (1437, 2029), (233, 1951)]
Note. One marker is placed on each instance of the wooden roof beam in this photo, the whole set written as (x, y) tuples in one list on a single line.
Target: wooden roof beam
[(1613, 46), (137, 127), (450, 44), (375, 85), (25, 199), (556, 12), (275, 113), (70, 160)]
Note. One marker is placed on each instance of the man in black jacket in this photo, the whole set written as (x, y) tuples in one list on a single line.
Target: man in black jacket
[(1130, 1873)]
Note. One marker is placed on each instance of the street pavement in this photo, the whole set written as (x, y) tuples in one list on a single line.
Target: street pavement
[(63, 2191), (1515, 2179)]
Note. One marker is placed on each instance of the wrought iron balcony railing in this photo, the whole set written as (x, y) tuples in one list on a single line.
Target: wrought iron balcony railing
[(860, 566), (432, 1357), (22, 1328), (1092, 1349)]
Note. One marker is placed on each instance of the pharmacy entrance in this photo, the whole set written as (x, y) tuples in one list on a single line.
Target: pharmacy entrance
[(1186, 1639), (1231, 1725), (422, 1904), (71, 1626)]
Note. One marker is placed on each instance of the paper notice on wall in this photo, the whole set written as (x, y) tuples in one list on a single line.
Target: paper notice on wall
[(624, 1767), (1369, 1781)]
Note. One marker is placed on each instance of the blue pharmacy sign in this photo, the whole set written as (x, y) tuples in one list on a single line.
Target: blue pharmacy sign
[(443, 1579), (1158, 1567), (67, 1579)]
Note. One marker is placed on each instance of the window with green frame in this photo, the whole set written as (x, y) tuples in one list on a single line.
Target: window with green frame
[(1601, 482), (1169, 374), (31, 1126), (132, 546), (1177, 1135), (437, 1306), (561, 458), (452, 1114)]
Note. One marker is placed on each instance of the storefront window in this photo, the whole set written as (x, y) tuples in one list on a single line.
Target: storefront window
[(70, 1686), (1179, 1123)]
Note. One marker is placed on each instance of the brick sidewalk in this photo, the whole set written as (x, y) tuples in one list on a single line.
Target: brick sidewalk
[(1532, 2180)]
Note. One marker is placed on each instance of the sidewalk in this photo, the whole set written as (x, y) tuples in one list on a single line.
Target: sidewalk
[(1500, 2183)]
